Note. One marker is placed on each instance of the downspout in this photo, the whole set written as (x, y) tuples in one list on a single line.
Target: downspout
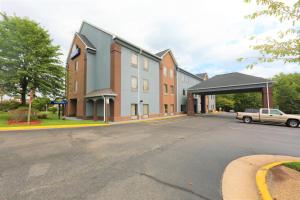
[(138, 97), (268, 98)]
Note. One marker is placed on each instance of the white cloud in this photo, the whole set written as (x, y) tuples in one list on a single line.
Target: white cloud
[(206, 36)]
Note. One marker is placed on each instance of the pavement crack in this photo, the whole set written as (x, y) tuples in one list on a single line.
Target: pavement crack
[(175, 186)]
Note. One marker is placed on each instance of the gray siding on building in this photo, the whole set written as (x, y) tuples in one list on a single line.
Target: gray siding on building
[(128, 96), (184, 82), (98, 72)]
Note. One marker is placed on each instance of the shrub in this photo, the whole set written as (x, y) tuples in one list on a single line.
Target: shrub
[(9, 105), (21, 114), (40, 103), (52, 109), (42, 116)]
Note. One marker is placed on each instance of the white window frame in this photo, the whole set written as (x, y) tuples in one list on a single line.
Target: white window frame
[(76, 65), (134, 88), (134, 60), (146, 64), (145, 89), (75, 86), (165, 71)]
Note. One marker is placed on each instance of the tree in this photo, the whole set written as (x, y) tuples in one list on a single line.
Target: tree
[(286, 91), (28, 59), (243, 101), (286, 46), (225, 102), (239, 102)]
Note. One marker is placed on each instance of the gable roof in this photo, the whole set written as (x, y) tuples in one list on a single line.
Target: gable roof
[(87, 43), (230, 80), (123, 42), (164, 52), (202, 75)]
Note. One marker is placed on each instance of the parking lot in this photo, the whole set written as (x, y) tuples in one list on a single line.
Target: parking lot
[(180, 158)]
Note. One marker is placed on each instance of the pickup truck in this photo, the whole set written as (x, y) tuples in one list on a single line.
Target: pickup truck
[(268, 115)]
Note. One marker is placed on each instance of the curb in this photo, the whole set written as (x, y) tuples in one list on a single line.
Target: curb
[(261, 176), (148, 120), (23, 128)]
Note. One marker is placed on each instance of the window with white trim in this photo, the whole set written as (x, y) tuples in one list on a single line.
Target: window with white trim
[(134, 83), (146, 64), (76, 65), (134, 60), (133, 109), (145, 85), (171, 73), (75, 86), (165, 71), (146, 109)]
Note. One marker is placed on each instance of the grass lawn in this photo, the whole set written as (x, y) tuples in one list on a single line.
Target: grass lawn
[(52, 120), (293, 165)]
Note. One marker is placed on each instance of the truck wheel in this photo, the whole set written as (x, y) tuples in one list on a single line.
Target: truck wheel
[(293, 123), (247, 120)]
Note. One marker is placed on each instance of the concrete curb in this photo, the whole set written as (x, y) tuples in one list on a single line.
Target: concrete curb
[(239, 177), (261, 179), (24, 128), (148, 120)]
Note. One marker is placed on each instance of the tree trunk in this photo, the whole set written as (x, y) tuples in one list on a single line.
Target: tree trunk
[(24, 91)]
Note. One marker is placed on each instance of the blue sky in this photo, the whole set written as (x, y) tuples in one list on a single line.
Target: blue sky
[(205, 36)]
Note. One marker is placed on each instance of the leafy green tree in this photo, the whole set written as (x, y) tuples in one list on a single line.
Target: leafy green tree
[(243, 101), (225, 102), (28, 59), (286, 92), (40, 103), (239, 101), (286, 45)]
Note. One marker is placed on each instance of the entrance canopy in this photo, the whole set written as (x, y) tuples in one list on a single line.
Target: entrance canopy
[(230, 83)]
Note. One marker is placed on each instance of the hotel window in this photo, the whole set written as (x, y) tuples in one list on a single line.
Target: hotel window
[(166, 108), (75, 86), (183, 92), (171, 73), (165, 71), (145, 85), (134, 83), (76, 65), (133, 109), (146, 109), (146, 64), (172, 108), (172, 89), (134, 60), (166, 88)]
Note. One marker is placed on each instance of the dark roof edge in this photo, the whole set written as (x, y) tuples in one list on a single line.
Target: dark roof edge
[(135, 48), (188, 73), (228, 86)]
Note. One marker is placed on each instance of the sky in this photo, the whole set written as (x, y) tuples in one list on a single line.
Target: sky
[(204, 35)]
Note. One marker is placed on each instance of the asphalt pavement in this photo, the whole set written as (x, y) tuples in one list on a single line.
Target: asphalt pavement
[(180, 158)]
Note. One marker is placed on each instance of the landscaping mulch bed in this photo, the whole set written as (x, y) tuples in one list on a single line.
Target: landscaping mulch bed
[(13, 122), (284, 183)]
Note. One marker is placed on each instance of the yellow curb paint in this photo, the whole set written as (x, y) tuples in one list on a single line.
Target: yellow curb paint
[(148, 120), (261, 179), (17, 128)]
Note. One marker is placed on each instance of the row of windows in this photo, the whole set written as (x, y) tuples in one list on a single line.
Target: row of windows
[(134, 62), (166, 89), (134, 109), (134, 84), (167, 107), (171, 72)]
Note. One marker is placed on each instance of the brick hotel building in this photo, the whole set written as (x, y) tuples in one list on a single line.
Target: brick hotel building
[(111, 79)]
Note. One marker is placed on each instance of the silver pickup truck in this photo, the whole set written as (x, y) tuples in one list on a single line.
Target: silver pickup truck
[(268, 115)]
